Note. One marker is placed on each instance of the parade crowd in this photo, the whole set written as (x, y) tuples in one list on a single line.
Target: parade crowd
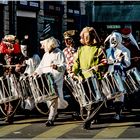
[(85, 59)]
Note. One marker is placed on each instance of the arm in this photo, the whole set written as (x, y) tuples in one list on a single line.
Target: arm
[(61, 63)]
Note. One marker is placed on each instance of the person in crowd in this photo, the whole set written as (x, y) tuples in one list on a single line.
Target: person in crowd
[(71, 42), (129, 42), (90, 60), (53, 61), (118, 57), (30, 61), (10, 53), (31, 57), (71, 48), (89, 55)]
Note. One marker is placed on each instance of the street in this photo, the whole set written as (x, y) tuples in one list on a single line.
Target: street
[(66, 127)]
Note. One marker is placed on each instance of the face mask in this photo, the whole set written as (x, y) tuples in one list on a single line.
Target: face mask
[(24, 50), (113, 42)]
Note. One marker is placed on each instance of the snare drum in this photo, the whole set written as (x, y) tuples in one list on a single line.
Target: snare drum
[(88, 91), (25, 86), (9, 89), (43, 87), (133, 78), (112, 85)]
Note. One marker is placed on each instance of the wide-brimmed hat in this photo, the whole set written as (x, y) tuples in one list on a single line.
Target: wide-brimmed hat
[(70, 34)]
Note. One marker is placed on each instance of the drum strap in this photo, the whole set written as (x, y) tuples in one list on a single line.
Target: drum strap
[(112, 53)]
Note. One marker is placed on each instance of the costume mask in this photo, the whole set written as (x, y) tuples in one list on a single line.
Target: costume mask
[(24, 50), (115, 39)]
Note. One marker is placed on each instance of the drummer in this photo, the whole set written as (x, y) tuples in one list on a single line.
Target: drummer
[(53, 61), (118, 57), (129, 42), (31, 61), (70, 50), (31, 57), (89, 60), (89, 56), (10, 53)]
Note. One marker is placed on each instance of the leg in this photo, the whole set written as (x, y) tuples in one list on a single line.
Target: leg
[(118, 103), (53, 111), (94, 115)]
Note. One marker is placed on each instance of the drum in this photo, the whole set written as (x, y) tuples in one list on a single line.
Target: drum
[(9, 89), (25, 86), (133, 79), (43, 87), (88, 91), (113, 85)]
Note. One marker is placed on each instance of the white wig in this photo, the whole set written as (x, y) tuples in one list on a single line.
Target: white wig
[(50, 43)]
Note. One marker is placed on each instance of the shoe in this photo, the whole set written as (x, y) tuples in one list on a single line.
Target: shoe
[(86, 126), (117, 117), (49, 123), (9, 119)]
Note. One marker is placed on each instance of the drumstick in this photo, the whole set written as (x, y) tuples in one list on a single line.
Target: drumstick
[(94, 67), (10, 65), (135, 58), (48, 66)]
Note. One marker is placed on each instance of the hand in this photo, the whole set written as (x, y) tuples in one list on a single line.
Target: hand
[(110, 61), (54, 66), (96, 68), (73, 76), (120, 58), (104, 61), (34, 73), (18, 67)]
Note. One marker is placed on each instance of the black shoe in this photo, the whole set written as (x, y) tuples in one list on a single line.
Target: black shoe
[(86, 126), (9, 119), (49, 123)]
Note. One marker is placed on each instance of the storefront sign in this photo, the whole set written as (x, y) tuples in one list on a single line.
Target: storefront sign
[(28, 5), (113, 26)]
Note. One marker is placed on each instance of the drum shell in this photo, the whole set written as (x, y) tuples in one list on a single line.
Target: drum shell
[(88, 91), (9, 89), (43, 87)]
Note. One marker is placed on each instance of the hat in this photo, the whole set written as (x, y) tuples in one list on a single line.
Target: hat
[(9, 38), (46, 33), (70, 33), (125, 32)]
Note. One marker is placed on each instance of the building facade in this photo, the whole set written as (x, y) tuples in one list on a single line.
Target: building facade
[(114, 15), (30, 17)]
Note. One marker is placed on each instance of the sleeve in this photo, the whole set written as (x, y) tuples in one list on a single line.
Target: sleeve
[(76, 65), (38, 69), (126, 59), (102, 61), (61, 62), (4, 49), (36, 60)]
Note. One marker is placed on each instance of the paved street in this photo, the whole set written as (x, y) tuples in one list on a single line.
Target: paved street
[(66, 127)]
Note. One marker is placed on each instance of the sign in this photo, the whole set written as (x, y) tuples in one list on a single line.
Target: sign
[(28, 5), (113, 26)]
